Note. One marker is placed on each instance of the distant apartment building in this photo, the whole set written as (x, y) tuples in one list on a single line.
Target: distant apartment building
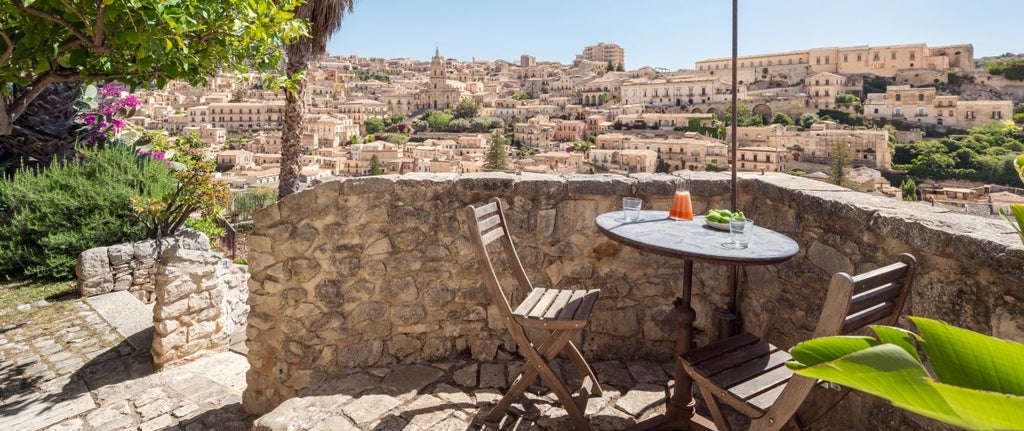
[(678, 91), (925, 106), (527, 61), (238, 116), (362, 109), (822, 88), (208, 134), (234, 159), (604, 53), (691, 151), (569, 131), (631, 161), (763, 159), (331, 130), (863, 59)]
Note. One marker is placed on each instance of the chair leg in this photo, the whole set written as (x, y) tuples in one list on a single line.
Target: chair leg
[(556, 385), (541, 355), (716, 410), (571, 352)]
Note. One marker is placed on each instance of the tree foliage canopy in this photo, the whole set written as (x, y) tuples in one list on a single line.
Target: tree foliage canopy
[(137, 42), (986, 154)]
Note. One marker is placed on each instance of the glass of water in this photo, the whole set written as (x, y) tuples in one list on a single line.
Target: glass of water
[(740, 230)]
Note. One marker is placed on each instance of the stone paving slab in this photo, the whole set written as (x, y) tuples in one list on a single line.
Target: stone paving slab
[(76, 372), (455, 396), (129, 316)]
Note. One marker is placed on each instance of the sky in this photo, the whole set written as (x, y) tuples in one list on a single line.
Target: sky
[(672, 34)]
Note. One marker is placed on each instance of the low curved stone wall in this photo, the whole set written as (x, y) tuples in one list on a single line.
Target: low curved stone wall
[(378, 270), (130, 266)]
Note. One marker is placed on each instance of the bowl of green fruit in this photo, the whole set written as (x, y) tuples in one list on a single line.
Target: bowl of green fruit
[(719, 218)]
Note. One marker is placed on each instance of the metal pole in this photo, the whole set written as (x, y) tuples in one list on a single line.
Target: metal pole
[(728, 318), (732, 163)]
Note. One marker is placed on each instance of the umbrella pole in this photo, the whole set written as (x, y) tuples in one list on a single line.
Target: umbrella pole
[(727, 318)]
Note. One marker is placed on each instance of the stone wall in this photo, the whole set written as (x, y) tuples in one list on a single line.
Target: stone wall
[(200, 301), (378, 270), (130, 266)]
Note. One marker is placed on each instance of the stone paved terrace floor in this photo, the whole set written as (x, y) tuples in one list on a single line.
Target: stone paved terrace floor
[(65, 368), (62, 367), (450, 396)]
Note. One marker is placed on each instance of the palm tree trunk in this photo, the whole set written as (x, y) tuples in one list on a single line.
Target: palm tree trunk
[(44, 131), (299, 56)]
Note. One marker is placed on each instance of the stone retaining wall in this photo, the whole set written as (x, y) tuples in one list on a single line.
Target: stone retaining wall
[(130, 266), (378, 270)]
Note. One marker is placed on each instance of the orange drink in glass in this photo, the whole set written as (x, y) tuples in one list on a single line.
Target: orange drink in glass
[(682, 208)]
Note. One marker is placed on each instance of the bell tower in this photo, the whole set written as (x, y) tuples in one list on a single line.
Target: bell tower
[(437, 70)]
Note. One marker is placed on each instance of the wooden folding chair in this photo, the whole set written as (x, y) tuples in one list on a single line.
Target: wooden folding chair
[(558, 314), (751, 376)]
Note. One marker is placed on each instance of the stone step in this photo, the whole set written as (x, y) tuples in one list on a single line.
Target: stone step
[(130, 317)]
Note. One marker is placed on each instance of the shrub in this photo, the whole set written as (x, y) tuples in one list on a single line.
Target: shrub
[(47, 218)]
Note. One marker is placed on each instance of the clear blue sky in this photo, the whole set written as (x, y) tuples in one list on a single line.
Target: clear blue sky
[(667, 33)]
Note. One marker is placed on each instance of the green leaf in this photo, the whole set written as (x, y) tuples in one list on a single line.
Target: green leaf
[(817, 351), (889, 372), (972, 360), (901, 337)]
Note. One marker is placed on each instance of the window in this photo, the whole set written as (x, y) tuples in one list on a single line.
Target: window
[(892, 55), (743, 157), (846, 58), (898, 97), (899, 112), (826, 94), (858, 58), (816, 93), (743, 64), (876, 110), (920, 112), (791, 61), (950, 112), (827, 58), (996, 115), (970, 115), (875, 58), (912, 56), (920, 97), (760, 63), (755, 157), (826, 82), (816, 83), (817, 60)]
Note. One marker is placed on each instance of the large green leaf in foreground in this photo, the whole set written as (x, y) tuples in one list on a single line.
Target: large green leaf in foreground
[(981, 377)]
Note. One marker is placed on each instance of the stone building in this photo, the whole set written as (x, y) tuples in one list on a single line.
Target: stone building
[(862, 59), (925, 106), (678, 91), (763, 159), (235, 116), (605, 53)]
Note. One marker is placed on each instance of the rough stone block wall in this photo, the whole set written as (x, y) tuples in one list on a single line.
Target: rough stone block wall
[(378, 270), (199, 302), (130, 266)]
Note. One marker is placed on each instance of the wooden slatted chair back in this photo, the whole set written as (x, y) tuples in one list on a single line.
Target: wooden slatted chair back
[(852, 303), (486, 225), (877, 296)]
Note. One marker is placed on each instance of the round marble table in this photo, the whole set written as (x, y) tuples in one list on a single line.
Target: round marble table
[(692, 241)]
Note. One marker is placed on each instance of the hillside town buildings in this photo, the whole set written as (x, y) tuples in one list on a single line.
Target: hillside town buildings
[(581, 117)]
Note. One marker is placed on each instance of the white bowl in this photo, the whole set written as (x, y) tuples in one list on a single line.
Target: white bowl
[(719, 226)]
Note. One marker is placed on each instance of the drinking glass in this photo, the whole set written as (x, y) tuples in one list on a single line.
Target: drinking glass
[(682, 208), (740, 230), (631, 209)]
